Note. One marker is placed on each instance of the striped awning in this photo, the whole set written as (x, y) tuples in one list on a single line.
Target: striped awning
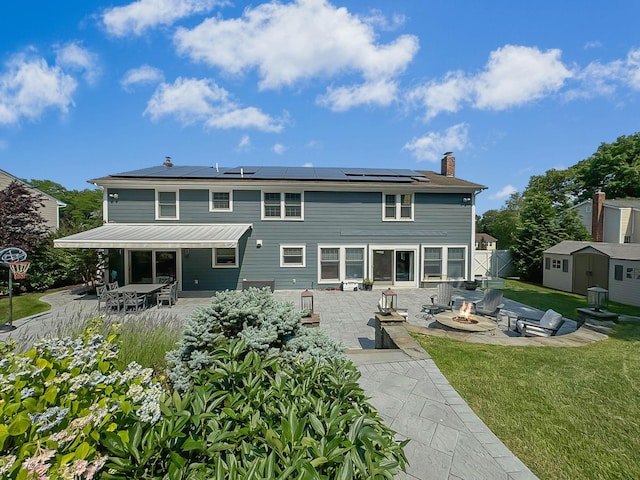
[(156, 236)]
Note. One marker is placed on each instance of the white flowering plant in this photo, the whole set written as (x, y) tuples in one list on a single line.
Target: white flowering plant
[(59, 399)]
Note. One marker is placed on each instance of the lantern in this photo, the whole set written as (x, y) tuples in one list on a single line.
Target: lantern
[(306, 303), (389, 300), (597, 297)]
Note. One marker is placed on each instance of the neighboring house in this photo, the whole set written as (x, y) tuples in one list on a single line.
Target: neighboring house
[(574, 266), (215, 228), (484, 241), (611, 221), (51, 210)]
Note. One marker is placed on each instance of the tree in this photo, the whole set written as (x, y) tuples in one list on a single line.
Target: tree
[(22, 224), (544, 223), (614, 168), (502, 224)]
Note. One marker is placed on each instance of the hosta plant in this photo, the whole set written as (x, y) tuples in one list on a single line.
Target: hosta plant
[(254, 417), (58, 400)]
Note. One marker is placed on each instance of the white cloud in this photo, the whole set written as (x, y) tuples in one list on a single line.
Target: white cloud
[(279, 148), (513, 76), (503, 193), (75, 57), (301, 40), (245, 144), (142, 15), (431, 146), (308, 165), (30, 86), (341, 99), (143, 75), (378, 19), (633, 68), (191, 100), (592, 44)]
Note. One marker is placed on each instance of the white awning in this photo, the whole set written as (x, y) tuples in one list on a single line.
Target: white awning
[(156, 236)]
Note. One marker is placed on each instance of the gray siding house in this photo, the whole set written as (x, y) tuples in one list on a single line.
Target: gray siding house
[(213, 228)]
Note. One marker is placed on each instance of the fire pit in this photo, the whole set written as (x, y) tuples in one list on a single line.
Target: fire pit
[(464, 320)]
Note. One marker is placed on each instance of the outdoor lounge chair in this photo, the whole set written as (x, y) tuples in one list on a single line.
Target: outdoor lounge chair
[(490, 304), (442, 300), (547, 326)]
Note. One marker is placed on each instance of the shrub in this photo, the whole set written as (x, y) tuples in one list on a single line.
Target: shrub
[(267, 325), (59, 399), (249, 416)]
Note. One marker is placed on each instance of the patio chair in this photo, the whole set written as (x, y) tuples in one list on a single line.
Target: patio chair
[(547, 326), (163, 279), (164, 298), (100, 289), (490, 304), (442, 300), (112, 300), (133, 301), (113, 285)]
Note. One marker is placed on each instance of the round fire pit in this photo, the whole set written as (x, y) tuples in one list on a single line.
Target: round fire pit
[(472, 323)]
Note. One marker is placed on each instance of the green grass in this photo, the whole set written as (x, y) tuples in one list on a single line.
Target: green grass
[(565, 303), (567, 413), (23, 306)]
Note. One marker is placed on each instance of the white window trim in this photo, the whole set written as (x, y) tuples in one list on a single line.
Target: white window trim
[(212, 208), (282, 216), (177, 192), (342, 263), (444, 259), (289, 265), (398, 196), (225, 265)]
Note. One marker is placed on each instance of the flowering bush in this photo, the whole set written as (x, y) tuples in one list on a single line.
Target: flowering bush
[(59, 399)]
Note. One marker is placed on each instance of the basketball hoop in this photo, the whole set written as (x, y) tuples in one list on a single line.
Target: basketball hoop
[(19, 269)]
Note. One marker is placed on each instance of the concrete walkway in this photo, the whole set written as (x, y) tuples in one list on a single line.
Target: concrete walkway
[(448, 440)]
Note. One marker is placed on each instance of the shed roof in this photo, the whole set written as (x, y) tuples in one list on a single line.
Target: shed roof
[(621, 251)]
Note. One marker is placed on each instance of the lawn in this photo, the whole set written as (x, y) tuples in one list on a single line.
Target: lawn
[(565, 412), (23, 306)]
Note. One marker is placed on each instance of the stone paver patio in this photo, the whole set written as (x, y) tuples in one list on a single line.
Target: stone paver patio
[(448, 440)]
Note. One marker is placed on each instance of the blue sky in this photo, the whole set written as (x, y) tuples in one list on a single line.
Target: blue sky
[(512, 88)]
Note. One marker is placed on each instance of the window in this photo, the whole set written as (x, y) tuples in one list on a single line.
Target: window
[(455, 263), (225, 257), (556, 264), (354, 263), (432, 262), (565, 265), (618, 272), (166, 205), (341, 263), (397, 207), (221, 202), (633, 273), (330, 264), (547, 263), (282, 206), (292, 255)]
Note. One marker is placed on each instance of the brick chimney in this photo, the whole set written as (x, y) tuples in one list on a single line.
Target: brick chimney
[(448, 165), (597, 216)]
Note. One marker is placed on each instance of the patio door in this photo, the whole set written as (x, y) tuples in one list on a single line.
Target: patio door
[(148, 266), (394, 266)]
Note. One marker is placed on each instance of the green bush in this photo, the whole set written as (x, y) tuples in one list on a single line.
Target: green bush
[(59, 399), (267, 325), (250, 416)]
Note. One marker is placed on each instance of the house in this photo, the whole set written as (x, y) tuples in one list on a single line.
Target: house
[(574, 266), (611, 221), (214, 228), (51, 210), (484, 241)]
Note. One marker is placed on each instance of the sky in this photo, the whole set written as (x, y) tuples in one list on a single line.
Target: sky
[(513, 89)]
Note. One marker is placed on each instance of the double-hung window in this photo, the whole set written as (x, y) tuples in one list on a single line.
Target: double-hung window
[(166, 205), (292, 256), (282, 206), (440, 262), (221, 201), (397, 207), (341, 263), (432, 262)]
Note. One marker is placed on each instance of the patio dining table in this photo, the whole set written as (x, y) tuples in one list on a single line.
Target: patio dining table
[(146, 289)]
